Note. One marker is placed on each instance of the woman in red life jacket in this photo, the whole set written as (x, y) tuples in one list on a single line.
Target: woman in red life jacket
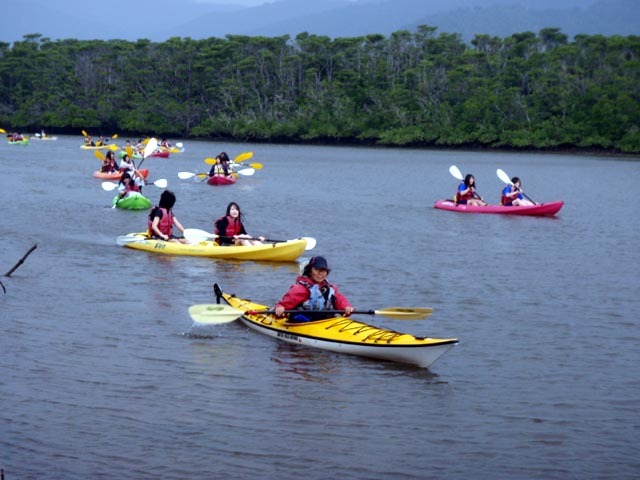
[(230, 228), (128, 185), (512, 195), (313, 293), (109, 164), (161, 219), (467, 192)]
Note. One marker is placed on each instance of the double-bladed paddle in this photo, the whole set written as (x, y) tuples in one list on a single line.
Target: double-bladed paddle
[(197, 235), (214, 314), (109, 186), (505, 178)]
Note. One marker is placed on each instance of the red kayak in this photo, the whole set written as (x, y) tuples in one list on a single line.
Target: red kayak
[(163, 154), (541, 209), (117, 175), (222, 180)]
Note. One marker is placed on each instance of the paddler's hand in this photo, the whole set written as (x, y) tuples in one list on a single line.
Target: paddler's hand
[(279, 311), (348, 311)]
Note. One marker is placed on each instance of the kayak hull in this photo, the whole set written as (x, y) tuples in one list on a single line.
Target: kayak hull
[(346, 335), (541, 209), (18, 142), (274, 252), (222, 180), (132, 202), (98, 147), (164, 154), (117, 175)]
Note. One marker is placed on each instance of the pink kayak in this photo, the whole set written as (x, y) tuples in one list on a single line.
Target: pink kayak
[(541, 209), (222, 180), (163, 154)]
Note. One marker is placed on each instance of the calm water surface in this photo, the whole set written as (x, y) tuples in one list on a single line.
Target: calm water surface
[(102, 374)]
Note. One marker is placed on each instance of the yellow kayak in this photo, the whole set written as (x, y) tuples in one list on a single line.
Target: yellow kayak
[(286, 251), (338, 334)]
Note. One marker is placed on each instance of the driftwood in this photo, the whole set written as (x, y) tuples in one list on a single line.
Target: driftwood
[(21, 261)]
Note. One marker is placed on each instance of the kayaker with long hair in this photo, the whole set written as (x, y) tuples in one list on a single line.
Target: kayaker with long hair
[(512, 195), (127, 185), (162, 220), (314, 294), (467, 195), (109, 164), (231, 230)]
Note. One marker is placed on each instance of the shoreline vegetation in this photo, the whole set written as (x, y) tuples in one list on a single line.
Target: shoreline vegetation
[(538, 92)]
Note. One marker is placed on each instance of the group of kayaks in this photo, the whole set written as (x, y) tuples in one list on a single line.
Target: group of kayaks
[(338, 333)]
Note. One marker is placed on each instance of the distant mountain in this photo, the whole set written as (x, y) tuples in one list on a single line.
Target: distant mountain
[(158, 20)]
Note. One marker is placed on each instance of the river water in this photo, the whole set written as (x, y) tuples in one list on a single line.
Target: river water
[(103, 375)]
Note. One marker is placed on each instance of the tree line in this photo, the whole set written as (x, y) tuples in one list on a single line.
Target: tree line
[(422, 88)]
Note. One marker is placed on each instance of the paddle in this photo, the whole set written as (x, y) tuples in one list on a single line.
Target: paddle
[(213, 314), (125, 239), (240, 158), (505, 178), (148, 150), (2, 130), (187, 175), (197, 235), (99, 154), (109, 186)]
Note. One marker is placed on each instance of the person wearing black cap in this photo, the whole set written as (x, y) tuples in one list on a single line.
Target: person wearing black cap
[(313, 293)]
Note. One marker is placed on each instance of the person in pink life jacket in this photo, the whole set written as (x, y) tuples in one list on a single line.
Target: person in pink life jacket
[(314, 294), (162, 220), (128, 185), (230, 228)]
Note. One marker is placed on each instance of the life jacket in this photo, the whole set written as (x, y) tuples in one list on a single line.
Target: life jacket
[(505, 200), (132, 187), (321, 297), (459, 198), (234, 227), (165, 225)]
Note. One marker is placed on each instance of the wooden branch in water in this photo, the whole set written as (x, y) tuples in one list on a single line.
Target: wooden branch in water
[(21, 261)]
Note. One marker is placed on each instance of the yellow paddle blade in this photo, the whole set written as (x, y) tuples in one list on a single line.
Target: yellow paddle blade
[(2, 130), (99, 154), (257, 166), (84, 134), (115, 136), (145, 141), (114, 147), (129, 151), (242, 157), (210, 161), (405, 313)]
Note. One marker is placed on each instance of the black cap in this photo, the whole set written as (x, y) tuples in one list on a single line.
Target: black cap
[(319, 263)]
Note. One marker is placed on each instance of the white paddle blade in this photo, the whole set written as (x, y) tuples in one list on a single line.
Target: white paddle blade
[(125, 239), (503, 176), (213, 314), (246, 171), (109, 186), (161, 183), (311, 243), (197, 235), (455, 171), (150, 147), (179, 145), (185, 175)]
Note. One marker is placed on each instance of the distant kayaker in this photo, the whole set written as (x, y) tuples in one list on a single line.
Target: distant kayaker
[(221, 167), (126, 164), (231, 230), (128, 184), (313, 293), (162, 220), (109, 164), (512, 195), (467, 192)]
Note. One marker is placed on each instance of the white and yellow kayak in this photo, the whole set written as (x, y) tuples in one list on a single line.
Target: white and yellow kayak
[(285, 251), (336, 334)]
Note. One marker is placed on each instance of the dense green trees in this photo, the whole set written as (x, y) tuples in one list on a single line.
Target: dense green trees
[(422, 88)]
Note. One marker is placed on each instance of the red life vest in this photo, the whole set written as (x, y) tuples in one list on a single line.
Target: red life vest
[(467, 196), (132, 187), (234, 227), (165, 225)]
